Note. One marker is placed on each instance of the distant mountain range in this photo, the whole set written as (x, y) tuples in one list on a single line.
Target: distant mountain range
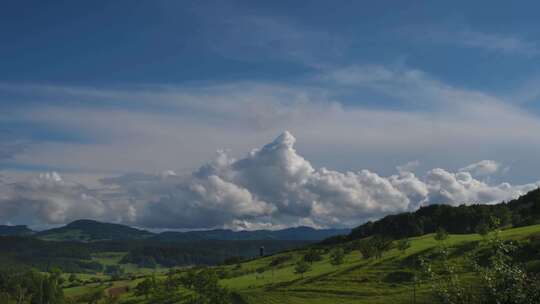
[(19, 230), (89, 231), (289, 234)]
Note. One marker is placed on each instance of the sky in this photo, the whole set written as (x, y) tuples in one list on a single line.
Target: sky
[(263, 114)]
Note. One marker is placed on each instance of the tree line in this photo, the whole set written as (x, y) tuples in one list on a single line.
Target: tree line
[(462, 219)]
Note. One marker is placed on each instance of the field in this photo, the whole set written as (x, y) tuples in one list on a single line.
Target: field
[(389, 279)]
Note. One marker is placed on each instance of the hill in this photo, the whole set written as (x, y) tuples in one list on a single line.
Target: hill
[(88, 230), (462, 219), (20, 230), (396, 277)]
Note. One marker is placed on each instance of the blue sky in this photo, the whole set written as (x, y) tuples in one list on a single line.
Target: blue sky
[(485, 44), (99, 89)]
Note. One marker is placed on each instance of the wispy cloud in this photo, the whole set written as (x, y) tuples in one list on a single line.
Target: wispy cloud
[(155, 128), (443, 125), (504, 43), (498, 42), (233, 32)]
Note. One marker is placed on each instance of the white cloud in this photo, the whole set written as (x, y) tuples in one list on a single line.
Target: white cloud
[(505, 43), (482, 168), (498, 42), (271, 187), (442, 125), (456, 188), (48, 200)]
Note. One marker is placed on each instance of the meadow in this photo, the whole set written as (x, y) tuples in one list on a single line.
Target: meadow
[(393, 278)]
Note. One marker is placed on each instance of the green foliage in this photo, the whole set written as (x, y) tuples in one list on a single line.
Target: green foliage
[(92, 297), (233, 260), (403, 245), (483, 229), (374, 247), (73, 278), (302, 267), (205, 287), (313, 255), (280, 259), (115, 271), (336, 256), (205, 252), (501, 279), (462, 219), (504, 280), (441, 235), (487, 226), (27, 286), (145, 287), (447, 286)]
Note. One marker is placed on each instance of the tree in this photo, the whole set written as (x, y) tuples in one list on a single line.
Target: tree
[(441, 235), (336, 256), (205, 286), (72, 278), (483, 229), (145, 287), (503, 279), (403, 245), (374, 246), (313, 255), (93, 297), (260, 272), (301, 267)]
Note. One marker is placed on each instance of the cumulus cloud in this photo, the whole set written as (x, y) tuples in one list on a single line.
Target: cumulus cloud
[(271, 187), (48, 200)]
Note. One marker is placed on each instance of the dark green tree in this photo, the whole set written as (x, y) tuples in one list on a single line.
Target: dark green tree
[(313, 255), (301, 267), (205, 286), (145, 287), (336, 256), (441, 235), (403, 245)]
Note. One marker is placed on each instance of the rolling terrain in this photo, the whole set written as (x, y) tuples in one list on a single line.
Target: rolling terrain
[(92, 231), (389, 279), (401, 258)]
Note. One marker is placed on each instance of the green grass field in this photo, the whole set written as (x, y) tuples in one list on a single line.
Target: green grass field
[(357, 280)]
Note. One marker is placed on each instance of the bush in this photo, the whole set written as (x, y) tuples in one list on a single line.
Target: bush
[(280, 260), (313, 255), (336, 256), (301, 267)]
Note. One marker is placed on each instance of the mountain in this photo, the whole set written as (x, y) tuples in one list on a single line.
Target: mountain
[(88, 230), (20, 230), (289, 234)]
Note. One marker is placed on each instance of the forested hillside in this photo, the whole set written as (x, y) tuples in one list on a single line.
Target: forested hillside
[(462, 219)]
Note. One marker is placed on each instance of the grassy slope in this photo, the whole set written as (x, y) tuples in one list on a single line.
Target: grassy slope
[(110, 258), (355, 281)]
